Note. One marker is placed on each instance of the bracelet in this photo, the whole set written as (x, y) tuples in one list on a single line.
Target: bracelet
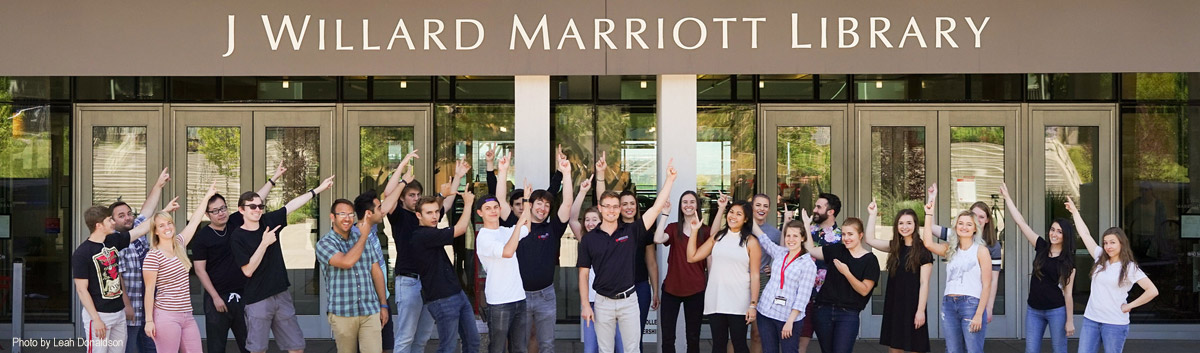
[(404, 181), (272, 181), (383, 306), (313, 192)]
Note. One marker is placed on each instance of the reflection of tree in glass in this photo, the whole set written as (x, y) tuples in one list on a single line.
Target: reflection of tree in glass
[(221, 147), (1153, 134), (460, 128), (898, 167), (377, 161), (803, 163), (298, 149), (733, 126)]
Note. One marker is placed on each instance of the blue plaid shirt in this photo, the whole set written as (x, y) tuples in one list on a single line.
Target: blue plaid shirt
[(351, 291), (131, 274)]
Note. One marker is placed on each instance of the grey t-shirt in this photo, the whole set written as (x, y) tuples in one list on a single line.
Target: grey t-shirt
[(774, 234)]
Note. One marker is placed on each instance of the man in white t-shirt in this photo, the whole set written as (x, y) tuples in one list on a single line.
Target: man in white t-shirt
[(496, 247)]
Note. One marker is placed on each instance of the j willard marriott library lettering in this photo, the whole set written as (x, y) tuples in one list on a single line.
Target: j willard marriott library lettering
[(599, 175)]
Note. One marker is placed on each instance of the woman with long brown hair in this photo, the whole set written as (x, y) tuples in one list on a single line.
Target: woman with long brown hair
[(1051, 303), (909, 266), (1106, 318)]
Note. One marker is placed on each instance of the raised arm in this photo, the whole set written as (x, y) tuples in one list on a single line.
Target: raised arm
[(809, 245), (390, 200), (664, 194), (660, 232), (502, 186), (464, 220), (304, 198), (564, 167), (601, 172), (1081, 227), (267, 186), (1011, 206), (450, 190), (719, 220), (927, 235), (197, 215), (872, 220), (151, 204), (510, 247), (408, 178), (936, 229), (769, 247), (695, 254), (577, 207)]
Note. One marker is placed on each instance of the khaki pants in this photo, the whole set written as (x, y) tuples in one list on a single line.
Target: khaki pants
[(357, 333)]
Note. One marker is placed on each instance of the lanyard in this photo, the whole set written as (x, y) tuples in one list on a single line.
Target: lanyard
[(783, 269)]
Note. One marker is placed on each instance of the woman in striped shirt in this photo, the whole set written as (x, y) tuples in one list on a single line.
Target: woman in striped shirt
[(168, 304), (787, 292)]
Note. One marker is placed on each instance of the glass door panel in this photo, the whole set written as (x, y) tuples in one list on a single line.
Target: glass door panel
[(211, 145), (120, 156), (898, 153), (805, 153), (302, 140), (381, 136), (1077, 162), (898, 150), (981, 154)]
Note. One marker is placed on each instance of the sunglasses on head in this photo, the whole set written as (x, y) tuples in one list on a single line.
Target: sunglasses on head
[(255, 206)]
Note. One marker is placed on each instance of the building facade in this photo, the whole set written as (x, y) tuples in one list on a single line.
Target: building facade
[(1093, 108)]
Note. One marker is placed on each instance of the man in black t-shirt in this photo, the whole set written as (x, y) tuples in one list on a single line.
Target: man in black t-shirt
[(220, 277), (442, 294), (97, 278), (538, 253), (269, 307), (611, 248)]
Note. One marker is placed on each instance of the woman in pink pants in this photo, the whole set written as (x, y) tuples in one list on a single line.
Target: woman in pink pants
[(168, 304)]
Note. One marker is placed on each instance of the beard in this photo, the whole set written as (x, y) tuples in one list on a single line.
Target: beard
[(820, 218)]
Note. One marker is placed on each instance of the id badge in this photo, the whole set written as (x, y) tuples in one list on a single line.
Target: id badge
[(780, 301)]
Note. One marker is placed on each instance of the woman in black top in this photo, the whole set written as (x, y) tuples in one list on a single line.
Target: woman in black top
[(1050, 286), (843, 296), (909, 267)]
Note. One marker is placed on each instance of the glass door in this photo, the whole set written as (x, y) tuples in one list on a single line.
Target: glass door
[(897, 150), (376, 139), (302, 139), (1073, 155), (211, 144), (804, 149), (968, 151), (977, 150), (120, 156)]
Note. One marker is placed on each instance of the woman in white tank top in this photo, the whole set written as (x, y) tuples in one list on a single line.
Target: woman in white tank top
[(731, 297), (967, 285)]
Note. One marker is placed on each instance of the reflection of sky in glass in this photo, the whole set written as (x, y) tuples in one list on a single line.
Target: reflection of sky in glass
[(639, 158), (713, 162)]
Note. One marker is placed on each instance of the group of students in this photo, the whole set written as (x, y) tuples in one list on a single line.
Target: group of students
[(811, 276)]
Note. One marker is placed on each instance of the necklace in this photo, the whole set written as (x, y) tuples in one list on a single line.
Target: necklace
[(219, 234)]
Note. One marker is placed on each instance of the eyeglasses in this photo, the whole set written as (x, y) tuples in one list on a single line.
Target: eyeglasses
[(345, 215), (221, 210), (255, 206)]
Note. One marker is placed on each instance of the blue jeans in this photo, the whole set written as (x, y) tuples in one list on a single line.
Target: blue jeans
[(589, 337), (137, 341), (644, 298), (455, 318), (507, 328), (542, 308), (957, 313), (836, 328), (1093, 333), (1036, 322), (770, 330), (413, 324)]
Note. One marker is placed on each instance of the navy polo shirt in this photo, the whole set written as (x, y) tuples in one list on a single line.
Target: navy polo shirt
[(437, 273), (613, 255), (538, 253)]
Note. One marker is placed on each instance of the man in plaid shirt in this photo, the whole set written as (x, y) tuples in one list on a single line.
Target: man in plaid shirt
[(358, 306), (130, 265)]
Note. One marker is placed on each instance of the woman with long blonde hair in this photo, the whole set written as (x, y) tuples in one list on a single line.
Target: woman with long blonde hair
[(968, 282), (169, 318)]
